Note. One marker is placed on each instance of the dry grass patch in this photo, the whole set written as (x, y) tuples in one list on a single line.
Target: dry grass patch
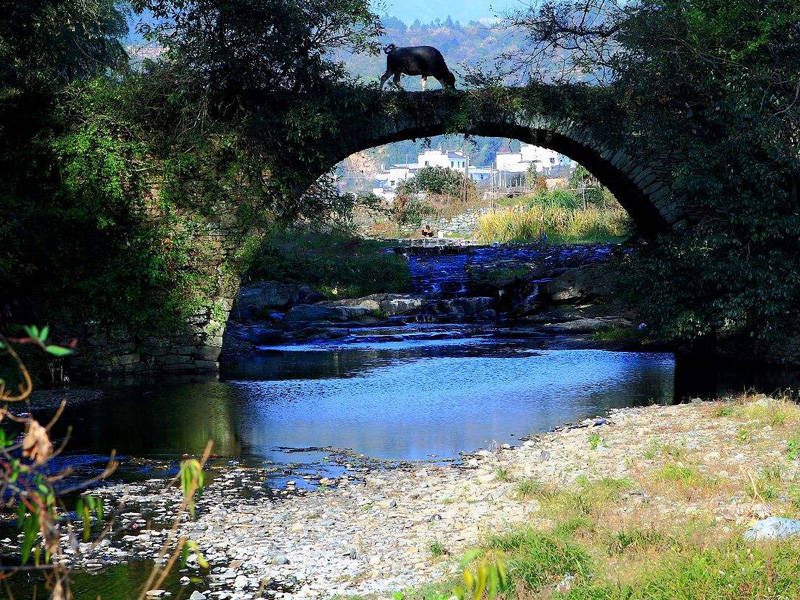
[(760, 410), (680, 480)]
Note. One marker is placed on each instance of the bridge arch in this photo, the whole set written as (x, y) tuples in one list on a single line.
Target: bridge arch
[(642, 187)]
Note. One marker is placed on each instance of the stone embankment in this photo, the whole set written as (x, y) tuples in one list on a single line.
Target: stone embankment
[(382, 531)]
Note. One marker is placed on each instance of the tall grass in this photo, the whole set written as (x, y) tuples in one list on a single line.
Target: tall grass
[(558, 223), (336, 264)]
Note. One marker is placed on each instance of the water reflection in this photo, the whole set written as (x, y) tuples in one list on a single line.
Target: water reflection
[(401, 403)]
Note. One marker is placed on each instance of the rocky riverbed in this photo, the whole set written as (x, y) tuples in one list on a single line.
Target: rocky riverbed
[(485, 291), (376, 530)]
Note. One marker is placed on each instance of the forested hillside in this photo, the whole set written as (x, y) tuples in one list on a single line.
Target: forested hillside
[(463, 46)]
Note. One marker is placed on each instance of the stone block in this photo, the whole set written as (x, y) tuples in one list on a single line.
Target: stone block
[(128, 359), (175, 359), (208, 353), (206, 365)]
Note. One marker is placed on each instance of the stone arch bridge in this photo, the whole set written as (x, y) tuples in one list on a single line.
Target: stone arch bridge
[(579, 122)]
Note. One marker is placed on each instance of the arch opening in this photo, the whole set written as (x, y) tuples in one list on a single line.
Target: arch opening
[(485, 174), (633, 185)]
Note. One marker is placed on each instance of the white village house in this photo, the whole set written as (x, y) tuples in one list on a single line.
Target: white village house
[(513, 166), (510, 168), (387, 180)]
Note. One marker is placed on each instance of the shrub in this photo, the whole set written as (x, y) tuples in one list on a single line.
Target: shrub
[(336, 264), (438, 180)]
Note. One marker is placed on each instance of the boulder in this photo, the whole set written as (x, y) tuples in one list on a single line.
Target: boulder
[(773, 528), (400, 304), (367, 303), (317, 312), (387, 304), (255, 299), (586, 283), (586, 326), (461, 309)]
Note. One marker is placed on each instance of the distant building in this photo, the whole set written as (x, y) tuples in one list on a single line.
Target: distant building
[(480, 174), (387, 180), (439, 158), (514, 165)]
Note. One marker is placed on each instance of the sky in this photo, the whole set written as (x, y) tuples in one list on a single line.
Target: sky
[(459, 10)]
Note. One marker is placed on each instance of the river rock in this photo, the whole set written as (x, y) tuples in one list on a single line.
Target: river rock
[(773, 528), (197, 596), (314, 312), (460, 309), (256, 298), (388, 304), (583, 326), (585, 283)]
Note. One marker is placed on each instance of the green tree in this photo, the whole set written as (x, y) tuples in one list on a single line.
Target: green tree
[(438, 180), (240, 48), (113, 175), (45, 44), (715, 84)]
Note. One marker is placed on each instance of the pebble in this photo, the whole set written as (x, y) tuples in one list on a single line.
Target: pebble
[(773, 528)]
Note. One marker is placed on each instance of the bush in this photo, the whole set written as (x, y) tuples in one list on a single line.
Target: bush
[(438, 180), (336, 264)]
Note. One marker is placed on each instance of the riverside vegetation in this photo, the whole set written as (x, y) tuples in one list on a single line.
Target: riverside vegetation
[(586, 212), (51, 511), (336, 264)]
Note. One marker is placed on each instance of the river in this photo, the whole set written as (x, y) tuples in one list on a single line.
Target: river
[(421, 393)]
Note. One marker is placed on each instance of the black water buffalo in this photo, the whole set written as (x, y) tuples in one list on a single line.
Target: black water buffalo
[(416, 60)]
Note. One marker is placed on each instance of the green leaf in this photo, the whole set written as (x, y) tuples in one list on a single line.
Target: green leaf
[(468, 558), (184, 554), (58, 350)]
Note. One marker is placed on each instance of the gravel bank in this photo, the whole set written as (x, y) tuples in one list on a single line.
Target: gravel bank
[(374, 534)]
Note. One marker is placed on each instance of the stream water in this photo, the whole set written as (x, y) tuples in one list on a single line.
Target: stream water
[(426, 393)]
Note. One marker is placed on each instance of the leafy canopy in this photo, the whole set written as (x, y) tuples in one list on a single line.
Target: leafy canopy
[(716, 86)]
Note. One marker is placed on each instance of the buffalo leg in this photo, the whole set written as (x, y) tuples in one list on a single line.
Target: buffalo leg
[(384, 77), (396, 81), (424, 82)]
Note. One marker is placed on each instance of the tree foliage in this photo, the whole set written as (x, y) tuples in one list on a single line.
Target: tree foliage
[(438, 180), (115, 177), (715, 85), (45, 43), (241, 47)]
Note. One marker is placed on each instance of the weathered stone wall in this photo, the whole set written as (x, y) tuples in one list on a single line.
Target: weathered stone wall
[(195, 346), (464, 225), (195, 349)]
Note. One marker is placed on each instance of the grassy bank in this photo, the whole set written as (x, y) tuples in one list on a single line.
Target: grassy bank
[(559, 224), (336, 264), (655, 508)]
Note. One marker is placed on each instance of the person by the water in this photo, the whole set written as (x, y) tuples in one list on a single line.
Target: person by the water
[(427, 231)]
